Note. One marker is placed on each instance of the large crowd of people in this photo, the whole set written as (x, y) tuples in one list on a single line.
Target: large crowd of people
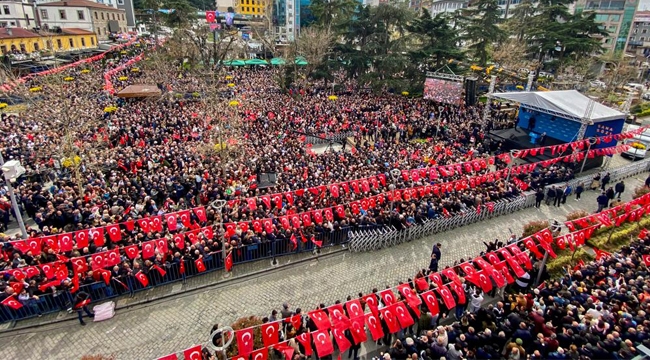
[(93, 159)]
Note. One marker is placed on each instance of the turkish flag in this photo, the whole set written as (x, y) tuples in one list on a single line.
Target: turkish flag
[(168, 357), (358, 330), (341, 341), (171, 221), (451, 275), (148, 249), (270, 333), (230, 229), (318, 216), (111, 257), (337, 315), (200, 266), (268, 225), (12, 303), (480, 279), (52, 242), (161, 245), (20, 245), (522, 257), (354, 308), (467, 268), (323, 343), (277, 200), (421, 283), (340, 211), (229, 263), (305, 340), (328, 214), (257, 226), (284, 221), (497, 276), (201, 214), (81, 238), (547, 247), (530, 244), (193, 353), (390, 318), (245, 341), (460, 292), (448, 299), (266, 200), (289, 196), (160, 270), (48, 270), (334, 190), (376, 331), (65, 242), (156, 223), (98, 261), (387, 297), (97, 236), (252, 204), (403, 316), (295, 221), (144, 225), (436, 279), (372, 302), (142, 278), (114, 232), (34, 245), (185, 218), (410, 296), (494, 260), (512, 262), (32, 271), (646, 260), (261, 354), (179, 240), (320, 319), (506, 273)]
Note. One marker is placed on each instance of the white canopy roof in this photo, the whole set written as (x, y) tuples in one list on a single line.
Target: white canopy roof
[(567, 103)]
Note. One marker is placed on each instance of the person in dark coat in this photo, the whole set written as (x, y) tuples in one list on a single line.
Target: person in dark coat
[(605, 181), (550, 195), (610, 194), (619, 188), (539, 196), (602, 201), (81, 302), (579, 189), (433, 265)]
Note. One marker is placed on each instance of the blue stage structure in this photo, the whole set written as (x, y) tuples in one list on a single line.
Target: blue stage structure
[(556, 117)]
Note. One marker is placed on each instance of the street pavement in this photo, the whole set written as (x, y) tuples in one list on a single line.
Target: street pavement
[(188, 311)]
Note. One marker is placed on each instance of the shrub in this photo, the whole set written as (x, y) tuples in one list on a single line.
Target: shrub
[(534, 226), (578, 214), (565, 257), (640, 191)]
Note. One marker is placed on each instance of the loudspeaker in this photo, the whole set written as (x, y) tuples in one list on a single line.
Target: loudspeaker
[(470, 91)]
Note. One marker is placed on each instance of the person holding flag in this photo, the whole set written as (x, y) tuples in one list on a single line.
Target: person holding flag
[(81, 302)]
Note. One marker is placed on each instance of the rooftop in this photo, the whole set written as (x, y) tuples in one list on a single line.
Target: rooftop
[(13, 33), (76, 31), (80, 3)]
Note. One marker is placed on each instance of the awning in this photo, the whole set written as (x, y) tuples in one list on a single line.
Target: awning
[(139, 91), (569, 104)]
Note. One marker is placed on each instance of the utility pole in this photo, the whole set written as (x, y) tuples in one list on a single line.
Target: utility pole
[(14, 203)]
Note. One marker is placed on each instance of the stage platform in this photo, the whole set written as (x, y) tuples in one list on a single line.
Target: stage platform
[(518, 139)]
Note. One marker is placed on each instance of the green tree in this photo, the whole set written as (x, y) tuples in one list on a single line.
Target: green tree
[(520, 22), (330, 14), (481, 28), (182, 15), (438, 41)]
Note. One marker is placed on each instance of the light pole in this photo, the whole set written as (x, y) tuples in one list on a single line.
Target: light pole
[(592, 141), (11, 171), (394, 175), (513, 156)]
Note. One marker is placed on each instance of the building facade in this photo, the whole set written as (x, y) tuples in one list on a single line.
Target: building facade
[(251, 7), (103, 20), (614, 16), (18, 42), (17, 13), (639, 40), (447, 6)]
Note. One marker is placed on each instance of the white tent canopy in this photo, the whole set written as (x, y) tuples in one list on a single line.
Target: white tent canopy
[(569, 104)]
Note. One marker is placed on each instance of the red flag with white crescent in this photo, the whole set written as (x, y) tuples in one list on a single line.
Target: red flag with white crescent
[(229, 262), (390, 318), (376, 331), (341, 341), (323, 343), (270, 333), (403, 316), (354, 308), (193, 353), (245, 341), (305, 340), (320, 319)]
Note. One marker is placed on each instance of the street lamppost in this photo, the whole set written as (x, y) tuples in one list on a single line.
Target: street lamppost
[(394, 175), (11, 170)]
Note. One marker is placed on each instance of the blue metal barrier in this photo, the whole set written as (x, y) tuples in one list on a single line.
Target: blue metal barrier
[(129, 284)]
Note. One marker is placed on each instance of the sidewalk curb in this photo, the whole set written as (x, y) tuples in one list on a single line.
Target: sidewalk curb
[(221, 283)]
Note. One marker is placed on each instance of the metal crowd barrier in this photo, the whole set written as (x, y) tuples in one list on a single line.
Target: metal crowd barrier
[(129, 285), (334, 137), (387, 236)]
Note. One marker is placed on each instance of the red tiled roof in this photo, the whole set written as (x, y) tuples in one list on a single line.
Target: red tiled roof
[(80, 3), (76, 31), (16, 33)]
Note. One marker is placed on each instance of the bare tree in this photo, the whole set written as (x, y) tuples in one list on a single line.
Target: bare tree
[(314, 44), (511, 54)]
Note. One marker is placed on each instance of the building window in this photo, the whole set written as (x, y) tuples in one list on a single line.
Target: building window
[(102, 16), (62, 15), (113, 15), (123, 17), (96, 16), (23, 48), (59, 44), (5, 9), (120, 2), (49, 44), (71, 42), (44, 14), (615, 18), (644, 31), (80, 15), (36, 47), (92, 41), (99, 31), (83, 42), (3, 48)]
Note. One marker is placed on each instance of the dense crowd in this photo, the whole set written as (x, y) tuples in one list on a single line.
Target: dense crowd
[(96, 166)]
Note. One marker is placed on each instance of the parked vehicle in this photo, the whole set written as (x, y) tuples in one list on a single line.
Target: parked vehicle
[(638, 144)]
